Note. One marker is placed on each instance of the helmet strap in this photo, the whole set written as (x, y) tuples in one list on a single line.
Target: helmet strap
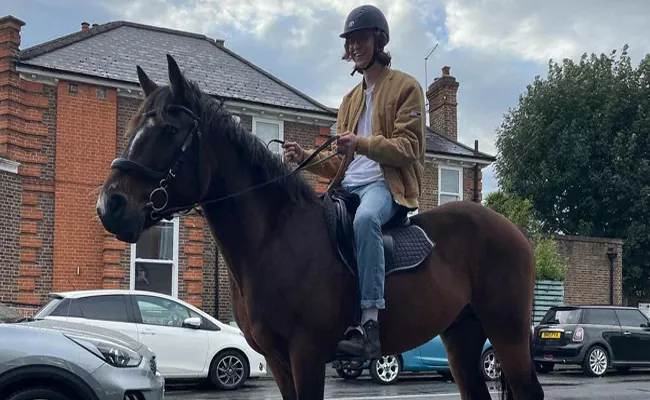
[(370, 64)]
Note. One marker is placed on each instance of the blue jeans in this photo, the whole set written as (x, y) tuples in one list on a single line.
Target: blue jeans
[(376, 208)]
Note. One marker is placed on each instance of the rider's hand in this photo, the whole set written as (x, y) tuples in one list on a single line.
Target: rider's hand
[(293, 152), (347, 143)]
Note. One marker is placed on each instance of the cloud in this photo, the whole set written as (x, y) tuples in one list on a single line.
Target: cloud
[(494, 47)]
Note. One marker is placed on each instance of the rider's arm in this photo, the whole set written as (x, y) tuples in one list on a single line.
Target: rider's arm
[(408, 137), (329, 168)]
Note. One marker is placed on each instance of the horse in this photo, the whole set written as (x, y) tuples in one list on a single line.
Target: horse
[(292, 283)]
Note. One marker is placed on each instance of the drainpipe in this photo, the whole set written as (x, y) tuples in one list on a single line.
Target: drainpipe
[(476, 174), (611, 254)]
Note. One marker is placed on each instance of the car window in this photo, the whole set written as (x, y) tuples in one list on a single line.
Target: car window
[(163, 312), (105, 308), (631, 318), (599, 316), (562, 316)]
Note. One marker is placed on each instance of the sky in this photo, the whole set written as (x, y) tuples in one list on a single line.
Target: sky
[(494, 47)]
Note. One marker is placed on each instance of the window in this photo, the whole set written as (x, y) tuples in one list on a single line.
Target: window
[(631, 318), (267, 130), (599, 316), (104, 308), (450, 184), (154, 259), (561, 316), (163, 312)]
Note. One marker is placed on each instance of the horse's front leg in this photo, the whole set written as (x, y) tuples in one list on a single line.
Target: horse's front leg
[(308, 360), (283, 376)]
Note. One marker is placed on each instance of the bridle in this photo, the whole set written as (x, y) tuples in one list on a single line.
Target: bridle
[(159, 197)]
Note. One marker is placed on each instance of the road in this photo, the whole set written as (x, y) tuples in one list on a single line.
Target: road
[(566, 385)]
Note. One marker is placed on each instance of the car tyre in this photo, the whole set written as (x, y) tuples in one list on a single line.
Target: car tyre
[(596, 362), (490, 366), (386, 369), (229, 370), (38, 394), (349, 373)]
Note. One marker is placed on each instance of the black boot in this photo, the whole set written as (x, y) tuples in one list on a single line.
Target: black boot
[(362, 341)]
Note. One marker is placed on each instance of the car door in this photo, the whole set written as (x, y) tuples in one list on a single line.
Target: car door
[(105, 311), (181, 351), (637, 337), (603, 323), (433, 353)]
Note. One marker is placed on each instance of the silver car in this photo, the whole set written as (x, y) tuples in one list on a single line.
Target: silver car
[(58, 360)]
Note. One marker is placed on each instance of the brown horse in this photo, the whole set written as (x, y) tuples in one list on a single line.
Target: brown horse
[(293, 294)]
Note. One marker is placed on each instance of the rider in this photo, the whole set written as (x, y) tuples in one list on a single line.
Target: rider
[(380, 157)]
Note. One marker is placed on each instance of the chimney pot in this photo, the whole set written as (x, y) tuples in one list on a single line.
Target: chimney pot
[(94, 25), (445, 70), (85, 26)]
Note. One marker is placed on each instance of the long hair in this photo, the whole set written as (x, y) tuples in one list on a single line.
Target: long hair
[(382, 57)]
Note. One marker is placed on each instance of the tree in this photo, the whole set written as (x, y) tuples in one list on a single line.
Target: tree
[(577, 147), (549, 264)]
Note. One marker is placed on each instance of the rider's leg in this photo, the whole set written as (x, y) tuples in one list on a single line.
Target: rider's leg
[(376, 208)]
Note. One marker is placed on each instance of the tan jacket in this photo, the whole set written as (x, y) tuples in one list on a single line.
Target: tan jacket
[(398, 140)]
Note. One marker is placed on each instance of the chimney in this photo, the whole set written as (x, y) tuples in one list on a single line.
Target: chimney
[(441, 95), (85, 26), (10, 27)]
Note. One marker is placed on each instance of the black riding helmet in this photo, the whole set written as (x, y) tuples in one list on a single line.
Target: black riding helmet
[(366, 17)]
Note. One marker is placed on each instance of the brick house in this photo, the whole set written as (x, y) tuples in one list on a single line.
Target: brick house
[(64, 105)]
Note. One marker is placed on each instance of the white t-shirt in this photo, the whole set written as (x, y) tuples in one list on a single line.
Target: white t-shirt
[(362, 170)]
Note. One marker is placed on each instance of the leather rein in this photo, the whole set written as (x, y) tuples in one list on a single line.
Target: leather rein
[(159, 197)]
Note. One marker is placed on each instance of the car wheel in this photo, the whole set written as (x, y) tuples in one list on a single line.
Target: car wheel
[(596, 361), (349, 373), (544, 367), (229, 370), (490, 365), (386, 369), (38, 394)]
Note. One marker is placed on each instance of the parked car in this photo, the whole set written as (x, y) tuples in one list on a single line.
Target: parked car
[(429, 357), (188, 342), (57, 360), (594, 337)]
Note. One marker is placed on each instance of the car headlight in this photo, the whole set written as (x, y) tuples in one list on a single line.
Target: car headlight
[(113, 353)]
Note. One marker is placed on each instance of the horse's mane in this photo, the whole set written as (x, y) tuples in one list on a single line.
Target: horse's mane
[(215, 119)]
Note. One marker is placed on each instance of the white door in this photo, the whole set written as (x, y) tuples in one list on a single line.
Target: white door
[(180, 351)]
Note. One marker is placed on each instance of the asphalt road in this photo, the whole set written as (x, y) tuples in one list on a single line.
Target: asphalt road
[(566, 385)]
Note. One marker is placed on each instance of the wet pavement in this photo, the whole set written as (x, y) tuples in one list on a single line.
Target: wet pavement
[(565, 385)]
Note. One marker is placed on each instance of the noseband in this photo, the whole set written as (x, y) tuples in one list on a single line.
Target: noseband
[(159, 198)]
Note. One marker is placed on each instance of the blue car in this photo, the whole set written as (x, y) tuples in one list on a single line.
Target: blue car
[(429, 357)]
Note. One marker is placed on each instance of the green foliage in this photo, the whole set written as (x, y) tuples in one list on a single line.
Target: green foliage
[(549, 264), (578, 147)]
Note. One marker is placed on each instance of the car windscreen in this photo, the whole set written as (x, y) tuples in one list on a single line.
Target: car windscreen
[(48, 308), (562, 317)]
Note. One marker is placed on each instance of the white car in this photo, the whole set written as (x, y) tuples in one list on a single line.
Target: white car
[(188, 342)]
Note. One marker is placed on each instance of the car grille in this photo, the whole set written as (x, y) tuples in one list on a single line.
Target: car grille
[(152, 364)]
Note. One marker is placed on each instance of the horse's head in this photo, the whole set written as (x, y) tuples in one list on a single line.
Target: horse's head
[(159, 168)]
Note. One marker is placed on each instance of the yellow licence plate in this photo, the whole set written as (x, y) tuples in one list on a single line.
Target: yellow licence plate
[(551, 335)]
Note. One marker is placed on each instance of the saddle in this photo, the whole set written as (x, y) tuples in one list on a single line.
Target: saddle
[(405, 245)]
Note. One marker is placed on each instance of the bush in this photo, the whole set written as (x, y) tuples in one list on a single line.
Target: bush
[(549, 264)]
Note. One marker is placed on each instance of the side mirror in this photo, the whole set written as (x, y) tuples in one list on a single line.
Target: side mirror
[(192, 322)]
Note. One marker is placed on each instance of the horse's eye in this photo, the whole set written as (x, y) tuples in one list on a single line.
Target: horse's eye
[(170, 129)]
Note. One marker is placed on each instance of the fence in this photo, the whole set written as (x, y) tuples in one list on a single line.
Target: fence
[(547, 294)]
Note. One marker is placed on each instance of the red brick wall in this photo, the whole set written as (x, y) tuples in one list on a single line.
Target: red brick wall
[(587, 280), (86, 128), (10, 193)]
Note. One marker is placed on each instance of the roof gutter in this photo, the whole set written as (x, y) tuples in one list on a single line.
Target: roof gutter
[(51, 76), (467, 161)]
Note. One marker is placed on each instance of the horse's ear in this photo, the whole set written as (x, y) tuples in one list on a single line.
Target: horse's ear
[(176, 79), (146, 84)]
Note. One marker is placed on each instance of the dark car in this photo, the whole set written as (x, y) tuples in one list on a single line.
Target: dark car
[(594, 337)]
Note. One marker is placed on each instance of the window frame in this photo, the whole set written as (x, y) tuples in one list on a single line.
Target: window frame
[(442, 167), (278, 122), (174, 261)]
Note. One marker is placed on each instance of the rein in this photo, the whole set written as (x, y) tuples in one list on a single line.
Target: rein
[(166, 177)]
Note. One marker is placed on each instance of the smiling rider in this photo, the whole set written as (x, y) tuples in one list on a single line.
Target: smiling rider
[(381, 158)]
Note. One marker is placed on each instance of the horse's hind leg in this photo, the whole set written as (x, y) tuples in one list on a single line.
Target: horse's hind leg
[(283, 378), (464, 342)]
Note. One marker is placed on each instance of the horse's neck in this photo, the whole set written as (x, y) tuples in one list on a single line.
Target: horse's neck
[(253, 224)]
